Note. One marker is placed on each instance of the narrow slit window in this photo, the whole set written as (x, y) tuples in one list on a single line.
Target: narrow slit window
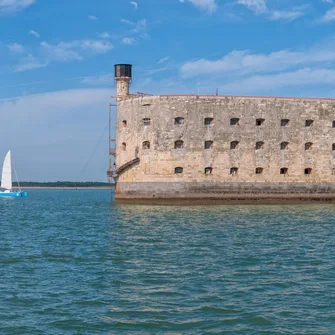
[(333, 124), (333, 171), (308, 146), (179, 120), (308, 171), (208, 144), (146, 145), (259, 122), (178, 170), (259, 170), (146, 122), (283, 170), (333, 146), (233, 171), (234, 121), (208, 170), (259, 145), (179, 144), (284, 146), (124, 123), (309, 123), (234, 145), (284, 122), (208, 121), (124, 146)]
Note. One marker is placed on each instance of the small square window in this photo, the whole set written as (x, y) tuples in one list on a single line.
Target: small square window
[(208, 121), (178, 170), (283, 170), (146, 122), (208, 170), (259, 122), (234, 121), (308, 123), (259, 170), (179, 120), (284, 122)]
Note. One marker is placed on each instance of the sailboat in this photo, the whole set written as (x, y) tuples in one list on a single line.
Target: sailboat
[(6, 180)]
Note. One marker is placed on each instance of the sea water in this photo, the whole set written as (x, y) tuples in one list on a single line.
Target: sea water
[(72, 262)]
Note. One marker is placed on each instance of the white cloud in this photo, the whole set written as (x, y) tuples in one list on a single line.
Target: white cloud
[(243, 62), (291, 15), (163, 60), (206, 5), (306, 76), (135, 4), (104, 35), (257, 6), (105, 79), (92, 17), (48, 142), (329, 16), (128, 40), (128, 22), (7, 6), (15, 48), (328, 1), (29, 63), (34, 33)]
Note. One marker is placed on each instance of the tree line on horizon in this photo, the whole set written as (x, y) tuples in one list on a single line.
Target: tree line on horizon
[(62, 184)]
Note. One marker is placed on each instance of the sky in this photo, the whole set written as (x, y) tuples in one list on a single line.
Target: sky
[(57, 59)]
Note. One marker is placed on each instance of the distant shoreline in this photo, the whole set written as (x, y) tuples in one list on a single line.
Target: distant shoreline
[(67, 187)]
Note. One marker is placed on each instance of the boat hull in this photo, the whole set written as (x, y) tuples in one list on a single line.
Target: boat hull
[(14, 194)]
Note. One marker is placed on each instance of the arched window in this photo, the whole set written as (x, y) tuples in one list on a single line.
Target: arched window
[(179, 144), (234, 121), (208, 121), (234, 145), (208, 170), (308, 123), (259, 122), (283, 170), (124, 146), (308, 171), (124, 123), (259, 145), (208, 144), (179, 120), (284, 122), (283, 145), (233, 171), (146, 145), (308, 146), (259, 170), (146, 121), (178, 170)]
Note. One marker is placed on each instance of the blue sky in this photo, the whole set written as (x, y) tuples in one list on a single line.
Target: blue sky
[(57, 58)]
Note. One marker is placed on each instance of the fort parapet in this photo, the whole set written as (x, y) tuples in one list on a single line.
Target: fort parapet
[(224, 148)]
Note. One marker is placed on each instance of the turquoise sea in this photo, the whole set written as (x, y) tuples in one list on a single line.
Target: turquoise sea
[(72, 262)]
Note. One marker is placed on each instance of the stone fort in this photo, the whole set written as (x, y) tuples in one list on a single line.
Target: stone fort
[(196, 148)]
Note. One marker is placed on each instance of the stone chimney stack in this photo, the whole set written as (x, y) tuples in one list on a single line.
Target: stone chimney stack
[(123, 80)]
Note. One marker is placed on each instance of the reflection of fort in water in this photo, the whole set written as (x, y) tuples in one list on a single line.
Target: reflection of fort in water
[(194, 147)]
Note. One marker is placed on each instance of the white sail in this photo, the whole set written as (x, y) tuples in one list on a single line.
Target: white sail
[(6, 180)]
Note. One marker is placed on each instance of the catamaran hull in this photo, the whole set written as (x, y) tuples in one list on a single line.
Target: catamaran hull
[(14, 194)]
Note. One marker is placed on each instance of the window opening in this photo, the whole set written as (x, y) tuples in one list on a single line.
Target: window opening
[(308, 171), (146, 122), (124, 146), (208, 144), (178, 170), (284, 146), (284, 122), (179, 120), (208, 170), (124, 123), (178, 144), (259, 122), (333, 124), (259, 170), (308, 146), (234, 145), (283, 170), (333, 146), (146, 145), (259, 145), (208, 121), (234, 121), (233, 170), (308, 123)]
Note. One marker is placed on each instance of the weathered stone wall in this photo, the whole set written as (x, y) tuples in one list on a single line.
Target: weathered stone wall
[(157, 164)]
